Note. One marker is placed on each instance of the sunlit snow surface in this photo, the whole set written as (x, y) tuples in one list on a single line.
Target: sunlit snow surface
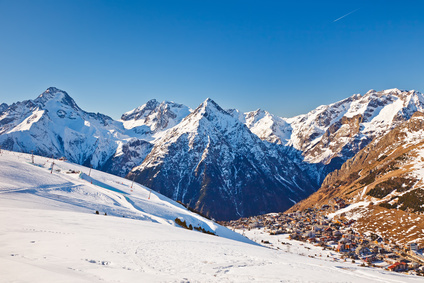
[(50, 233)]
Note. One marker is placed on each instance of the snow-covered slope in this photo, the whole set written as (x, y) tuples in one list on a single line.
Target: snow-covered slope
[(74, 187), (215, 164), (50, 233)]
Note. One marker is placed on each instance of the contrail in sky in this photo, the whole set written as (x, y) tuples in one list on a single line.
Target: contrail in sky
[(345, 15)]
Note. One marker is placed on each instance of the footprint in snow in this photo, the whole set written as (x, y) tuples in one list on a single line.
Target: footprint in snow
[(99, 262)]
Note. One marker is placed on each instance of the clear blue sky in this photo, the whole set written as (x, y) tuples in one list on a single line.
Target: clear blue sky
[(286, 57)]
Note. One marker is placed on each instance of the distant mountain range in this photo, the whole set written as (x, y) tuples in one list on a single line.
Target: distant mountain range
[(223, 163)]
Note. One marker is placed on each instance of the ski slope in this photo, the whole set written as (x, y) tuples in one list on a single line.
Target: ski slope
[(90, 190), (50, 233)]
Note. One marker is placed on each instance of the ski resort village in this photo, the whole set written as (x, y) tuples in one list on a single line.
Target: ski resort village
[(335, 238)]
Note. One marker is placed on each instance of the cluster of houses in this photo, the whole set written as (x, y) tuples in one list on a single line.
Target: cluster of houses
[(314, 227)]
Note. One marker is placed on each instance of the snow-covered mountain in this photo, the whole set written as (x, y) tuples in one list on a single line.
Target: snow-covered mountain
[(215, 164), (53, 124), (343, 128), (265, 125), (331, 134), (154, 117), (144, 125)]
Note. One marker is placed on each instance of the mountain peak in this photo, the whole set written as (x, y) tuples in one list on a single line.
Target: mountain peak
[(254, 116), (152, 103), (371, 91), (53, 93), (388, 92), (3, 107), (210, 110), (260, 112), (211, 105), (50, 93), (141, 111), (53, 89), (391, 90), (210, 101)]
